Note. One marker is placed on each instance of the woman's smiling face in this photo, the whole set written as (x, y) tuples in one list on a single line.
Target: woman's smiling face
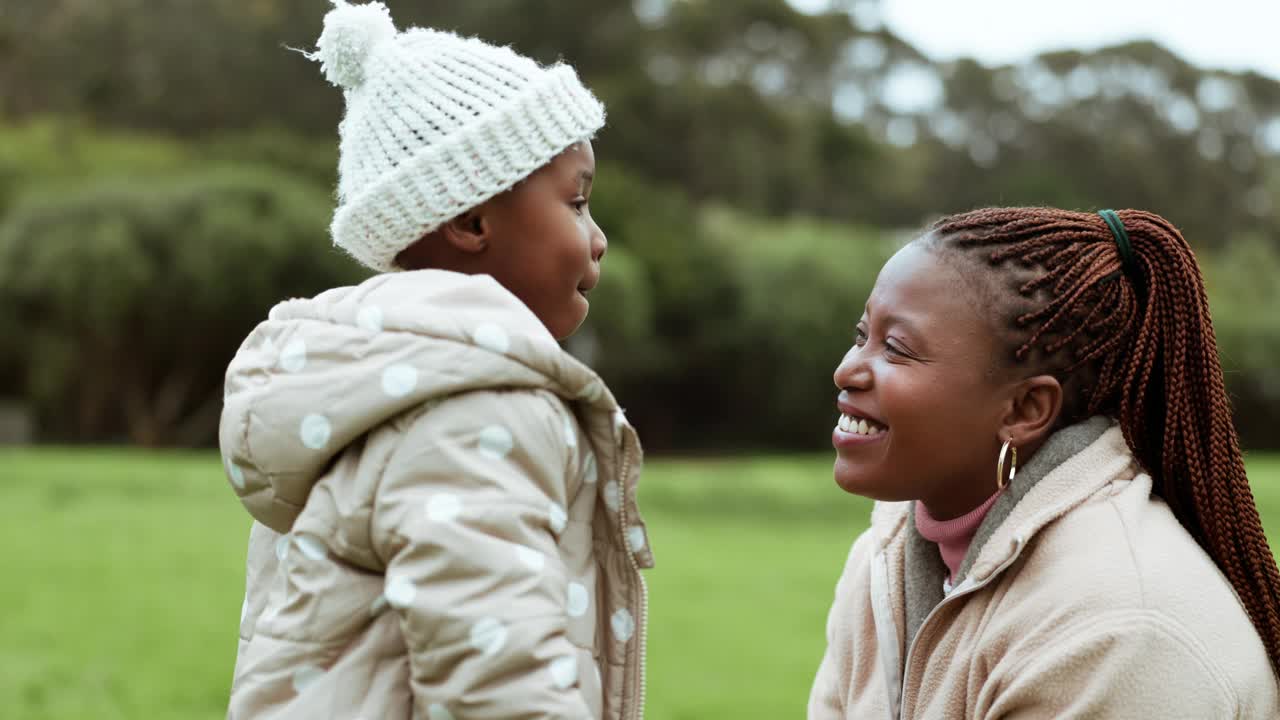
[(922, 394)]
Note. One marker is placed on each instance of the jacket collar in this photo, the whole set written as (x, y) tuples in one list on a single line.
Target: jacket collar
[(1059, 449), (1073, 465)]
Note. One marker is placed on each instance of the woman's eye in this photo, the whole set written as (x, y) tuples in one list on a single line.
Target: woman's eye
[(579, 205), (893, 349), (859, 337)]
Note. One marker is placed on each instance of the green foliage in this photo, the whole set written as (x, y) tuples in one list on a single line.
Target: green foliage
[(666, 373), (310, 159), (731, 102), (1245, 300), (702, 315), (719, 315), (57, 153), (802, 286), (618, 338), (130, 296)]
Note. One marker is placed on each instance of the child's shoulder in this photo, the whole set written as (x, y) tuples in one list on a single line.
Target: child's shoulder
[(491, 445), (498, 421)]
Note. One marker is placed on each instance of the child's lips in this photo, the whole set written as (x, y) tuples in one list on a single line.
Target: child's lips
[(589, 282)]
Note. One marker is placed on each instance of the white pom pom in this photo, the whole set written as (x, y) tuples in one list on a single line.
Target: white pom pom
[(350, 34)]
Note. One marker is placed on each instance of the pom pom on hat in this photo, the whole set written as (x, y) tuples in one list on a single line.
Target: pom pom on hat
[(350, 34)]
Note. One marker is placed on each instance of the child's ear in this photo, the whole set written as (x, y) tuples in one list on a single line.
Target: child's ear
[(1033, 411), (469, 232)]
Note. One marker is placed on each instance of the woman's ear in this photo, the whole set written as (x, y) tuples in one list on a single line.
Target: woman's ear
[(1033, 411), (469, 232)]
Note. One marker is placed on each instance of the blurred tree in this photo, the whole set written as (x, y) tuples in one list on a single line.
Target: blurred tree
[(1245, 299), (1129, 126), (766, 114), (802, 286), (127, 300), (752, 103)]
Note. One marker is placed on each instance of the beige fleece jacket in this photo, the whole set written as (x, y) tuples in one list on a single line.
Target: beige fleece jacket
[(445, 506), (1081, 597)]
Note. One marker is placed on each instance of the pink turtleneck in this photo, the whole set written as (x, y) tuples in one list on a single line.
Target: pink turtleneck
[(952, 536)]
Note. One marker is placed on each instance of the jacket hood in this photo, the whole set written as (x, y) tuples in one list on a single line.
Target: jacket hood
[(320, 373)]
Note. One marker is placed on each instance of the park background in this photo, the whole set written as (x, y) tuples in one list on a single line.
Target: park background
[(167, 171)]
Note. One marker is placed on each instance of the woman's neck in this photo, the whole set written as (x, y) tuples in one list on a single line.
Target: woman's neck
[(957, 505), (952, 536)]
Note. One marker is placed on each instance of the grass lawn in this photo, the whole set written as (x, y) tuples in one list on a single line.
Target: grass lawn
[(123, 577)]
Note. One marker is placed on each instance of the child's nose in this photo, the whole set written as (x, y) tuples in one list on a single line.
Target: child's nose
[(599, 243)]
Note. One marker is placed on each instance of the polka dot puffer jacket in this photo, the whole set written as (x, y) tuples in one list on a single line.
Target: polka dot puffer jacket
[(445, 512)]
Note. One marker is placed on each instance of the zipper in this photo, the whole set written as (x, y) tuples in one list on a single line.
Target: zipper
[(886, 632), (964, 588), (643, 621)]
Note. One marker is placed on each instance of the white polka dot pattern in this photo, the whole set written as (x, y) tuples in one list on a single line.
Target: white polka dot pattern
[(305, 676), (492, 337), (564, 671), (444, 507), (400, 592), (624, 626), (613, 495), (311, 547), (370, 318), (438, 711), (294, 357), (557, 517), (579, 599), (635, 538), (570, 432), (399, 380), (590, 392), (236, 475), (496, 442), (315, 431), (531, 558), (489, 636)]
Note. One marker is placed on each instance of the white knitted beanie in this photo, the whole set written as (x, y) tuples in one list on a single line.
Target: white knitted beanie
[(435, 125)]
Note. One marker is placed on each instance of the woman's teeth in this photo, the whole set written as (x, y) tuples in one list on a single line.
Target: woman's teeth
[(860, 426)]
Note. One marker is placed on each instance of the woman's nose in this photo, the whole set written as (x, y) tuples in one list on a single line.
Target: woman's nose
[(853, 371)]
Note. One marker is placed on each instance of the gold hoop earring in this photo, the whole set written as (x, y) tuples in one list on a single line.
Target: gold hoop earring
[(1013, 465)]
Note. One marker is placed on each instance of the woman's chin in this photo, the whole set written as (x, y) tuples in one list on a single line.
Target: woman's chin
[(855, 479)]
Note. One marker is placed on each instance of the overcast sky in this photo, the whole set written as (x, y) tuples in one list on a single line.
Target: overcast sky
[(1228, 34)]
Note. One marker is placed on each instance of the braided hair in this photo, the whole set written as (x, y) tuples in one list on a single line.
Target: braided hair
[(1130, 338)]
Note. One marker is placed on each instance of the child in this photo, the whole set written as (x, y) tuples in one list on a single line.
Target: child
[(444, 500), (1064, 527)]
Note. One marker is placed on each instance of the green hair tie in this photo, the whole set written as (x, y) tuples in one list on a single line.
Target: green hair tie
[(1127, 259)]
